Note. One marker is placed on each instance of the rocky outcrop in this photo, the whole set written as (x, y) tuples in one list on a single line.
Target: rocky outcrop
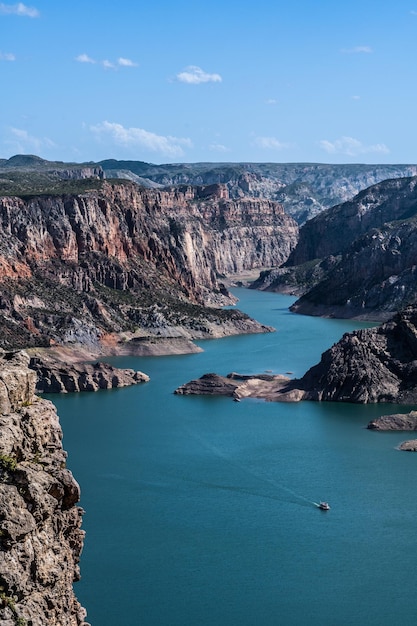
[(408, 446), (369, 247), (209, 384), (304, 189), (366, 366), (372, 280), (239, 386), (396, 421), (124, 259), (40, 535), (333, 231), (57, 377)]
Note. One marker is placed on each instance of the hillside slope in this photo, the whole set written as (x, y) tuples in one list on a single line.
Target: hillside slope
[(124, 259)]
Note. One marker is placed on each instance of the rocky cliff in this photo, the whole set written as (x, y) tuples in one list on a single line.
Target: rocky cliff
[(304, 189), (368, 365), (334, 230), (124, 259), (40, 535), (357, 259)]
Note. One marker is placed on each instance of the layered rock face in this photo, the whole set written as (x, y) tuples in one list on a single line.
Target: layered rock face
[(367, 249), (124, 258), (304, 189), (373, 279), (56, 377), (333, 231), (40, 535)]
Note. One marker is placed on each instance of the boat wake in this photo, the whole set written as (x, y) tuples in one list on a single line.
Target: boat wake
[(251, 472)]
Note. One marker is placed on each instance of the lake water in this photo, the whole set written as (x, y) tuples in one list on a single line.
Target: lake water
[(200, 511)]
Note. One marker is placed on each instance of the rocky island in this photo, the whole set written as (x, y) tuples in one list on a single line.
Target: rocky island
[(366, 366)]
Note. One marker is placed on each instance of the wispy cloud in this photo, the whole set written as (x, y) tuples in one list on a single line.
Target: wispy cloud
[(271, 101), (357, 50), (109, 65), (413, 12), (352, 147), (194, 75), (7, 56), (22, 142), (270, 143), (84, 58), (126, 62), (140, 138), (218, 147), (18, 9)]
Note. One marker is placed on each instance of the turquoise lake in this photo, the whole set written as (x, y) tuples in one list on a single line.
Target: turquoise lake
[(200, 511)]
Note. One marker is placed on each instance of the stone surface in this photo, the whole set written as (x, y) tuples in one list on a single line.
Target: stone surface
[(57, 377), (408, 446), (369, 365), (396, 421), (237, 386), (127, 260), (40, 523)]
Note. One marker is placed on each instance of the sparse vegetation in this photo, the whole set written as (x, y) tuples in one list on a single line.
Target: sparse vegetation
[(8, 462)]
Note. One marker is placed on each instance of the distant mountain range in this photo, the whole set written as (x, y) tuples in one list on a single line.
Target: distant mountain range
[(304, 189)]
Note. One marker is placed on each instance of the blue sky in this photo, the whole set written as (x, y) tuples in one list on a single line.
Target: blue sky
[(187, 81)]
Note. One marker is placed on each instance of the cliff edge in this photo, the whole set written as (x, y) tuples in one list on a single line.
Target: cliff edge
[(40, 523)]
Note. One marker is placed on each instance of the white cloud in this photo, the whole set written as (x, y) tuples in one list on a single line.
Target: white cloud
[(218, 147), (140, 138), (270, 143), (108, 65), (126, 62), (271, 101), (84, 58), (18, 9), (22, 142), (194, 75), (358, 50), (7, 56), (355, 97), (352, 147)]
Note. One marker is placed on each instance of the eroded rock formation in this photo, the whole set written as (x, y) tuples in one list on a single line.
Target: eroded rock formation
[(124, 259), (304, 189), (365, 366), (40, 523), (58, 377), (356, 260), (396, 421)]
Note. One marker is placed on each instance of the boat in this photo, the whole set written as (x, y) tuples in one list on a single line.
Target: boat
[(324, 506)]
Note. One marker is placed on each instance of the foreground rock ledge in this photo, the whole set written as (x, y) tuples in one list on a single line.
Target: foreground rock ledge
[(40, 523)]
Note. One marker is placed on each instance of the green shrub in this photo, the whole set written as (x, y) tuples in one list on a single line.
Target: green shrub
[(8, 462)]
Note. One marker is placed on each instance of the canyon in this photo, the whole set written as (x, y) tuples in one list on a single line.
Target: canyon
[(132, 258), (122, 262)]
